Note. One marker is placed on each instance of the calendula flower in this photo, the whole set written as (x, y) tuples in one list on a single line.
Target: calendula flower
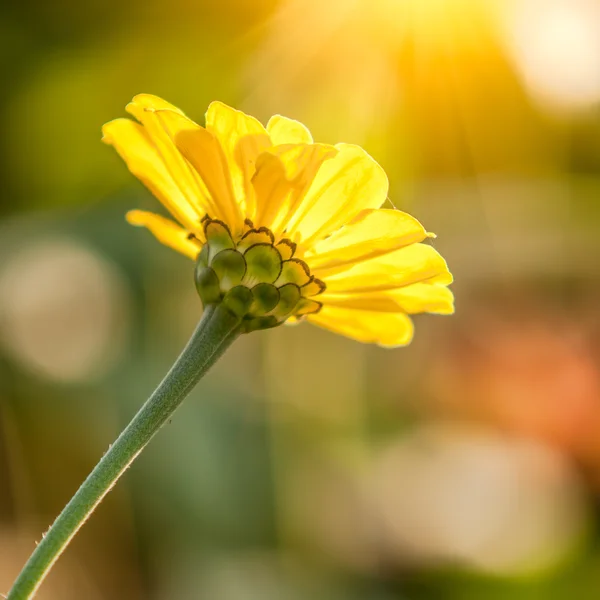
[(282, 228)]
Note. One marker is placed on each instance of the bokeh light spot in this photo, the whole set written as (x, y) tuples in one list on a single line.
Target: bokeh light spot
[(556, 47), (64, 311), (470, 496)]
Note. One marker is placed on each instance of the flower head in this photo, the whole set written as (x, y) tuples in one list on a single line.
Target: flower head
[(280, 227)]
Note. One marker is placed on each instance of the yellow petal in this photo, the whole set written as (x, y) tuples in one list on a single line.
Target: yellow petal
[(204, 152), (272, 188), (133, 143), (385, 329), (433, 298), (242, 138), (348, 183), (151, 102), (411, 299), (167, 232), (408, 265), (147, 109), (287, 131), (289, 170), (371, 233)]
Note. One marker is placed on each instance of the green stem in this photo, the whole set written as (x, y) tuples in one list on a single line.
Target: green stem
[(217, 329)]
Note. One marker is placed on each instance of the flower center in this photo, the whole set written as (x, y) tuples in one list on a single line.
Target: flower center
[(255, 276)]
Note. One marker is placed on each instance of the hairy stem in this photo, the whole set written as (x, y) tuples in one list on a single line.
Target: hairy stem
[(217, 329)]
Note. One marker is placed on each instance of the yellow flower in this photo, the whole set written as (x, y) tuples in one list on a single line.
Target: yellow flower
[(297, 223)]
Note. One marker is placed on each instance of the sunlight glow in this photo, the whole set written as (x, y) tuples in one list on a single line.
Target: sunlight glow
[(556, 47), (350, 67)]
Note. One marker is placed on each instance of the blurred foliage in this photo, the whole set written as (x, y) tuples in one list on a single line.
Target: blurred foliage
[(305, 465)]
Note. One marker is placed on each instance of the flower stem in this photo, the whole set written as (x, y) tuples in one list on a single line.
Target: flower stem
[(217, 329)]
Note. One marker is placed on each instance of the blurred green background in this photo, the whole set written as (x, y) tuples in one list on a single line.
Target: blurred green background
[(465, 466)]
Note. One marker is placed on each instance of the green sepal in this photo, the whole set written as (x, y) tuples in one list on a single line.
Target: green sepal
[(264, 264), (306, 306), (254, 280), (314, 287), (202, 259), (238, 300), (262, 235), (218, 237), (230, 267), (294, 271), (260, 323), (286, 248), (289, 296), (266, 297), (207, 284)]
